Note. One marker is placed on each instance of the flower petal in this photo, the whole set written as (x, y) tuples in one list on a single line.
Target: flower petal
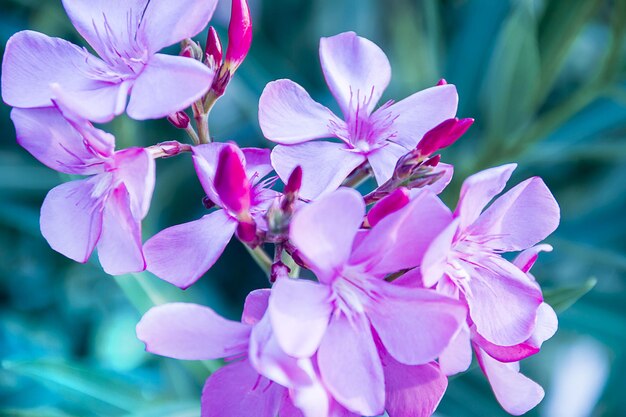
[(255, 306), (324, 230), (350, 366), (422, 111), (191, 332), (166, 85), (205, 158), (181, 254), (436, 257), (288, 114), (119, 247), (257, 162), (136, 169), (104, 103), (357, 71), (516, 393), (71, 220), (299, 311), (325, 165), (383, 161), (237, 390), (457, 357)]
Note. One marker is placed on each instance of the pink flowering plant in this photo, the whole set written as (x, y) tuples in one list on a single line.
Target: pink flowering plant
[(375, 297)]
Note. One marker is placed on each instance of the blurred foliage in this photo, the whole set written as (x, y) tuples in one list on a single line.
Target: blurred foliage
[(546, 82)]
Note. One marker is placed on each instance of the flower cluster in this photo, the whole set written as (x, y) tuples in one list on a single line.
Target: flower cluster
[(399, 289)]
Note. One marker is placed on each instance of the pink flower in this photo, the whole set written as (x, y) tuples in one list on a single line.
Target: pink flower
[(127, 35), (357, 72), (105, 209), (231, 177), (353, 316)]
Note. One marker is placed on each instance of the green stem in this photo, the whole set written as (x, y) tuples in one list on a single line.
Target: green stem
[(358, 177), (261, 258)]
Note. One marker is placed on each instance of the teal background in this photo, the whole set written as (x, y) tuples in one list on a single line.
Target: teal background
[(545, 81)]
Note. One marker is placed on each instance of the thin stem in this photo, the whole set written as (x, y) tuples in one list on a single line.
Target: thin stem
[(358, 177), (191, 132), (261, 258)]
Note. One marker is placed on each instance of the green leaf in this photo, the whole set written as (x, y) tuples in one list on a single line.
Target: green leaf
[(563, 298)]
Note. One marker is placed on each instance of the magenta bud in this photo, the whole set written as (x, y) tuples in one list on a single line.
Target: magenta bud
[(389, 204), (443, 135), (433, 162), (179, 119), (279, 270), (239, 34), (442, 82), (246, 232), (294, 182), (213, 49), (207, 202), (231, 181)]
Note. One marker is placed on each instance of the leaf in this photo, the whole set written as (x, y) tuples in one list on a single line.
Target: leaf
[(563, 298), (34, 412)]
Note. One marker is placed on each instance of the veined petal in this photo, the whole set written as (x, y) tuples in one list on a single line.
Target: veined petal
[(181, 254), (103, 103), (192, 332), (288, 114), (422, 111), (325, 165), (71, 219), (136, 169), (166, 85), (356, 70), (324, 230), (383, 161)]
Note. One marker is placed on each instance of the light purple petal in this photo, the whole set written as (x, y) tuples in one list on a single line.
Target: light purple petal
[(516, 393), (447, 171), (325, 165), (415, 325), (166, 85), (350, 366), (478, 190), (526, 259), (324, 230), (136, 169), (436, 257), (383, 161), (422, 111), (520, 218), (104, 103), (457, 357), (205, 158), (503, 302), (257, 162), (191, 332), (255, 306), (299, 311), (71, 219), (357, 71), (288, 114), (51, 139), (413, 391), (181, 254), (119, 247)]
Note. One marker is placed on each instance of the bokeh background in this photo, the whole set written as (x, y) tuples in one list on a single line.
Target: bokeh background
[(545, 81)]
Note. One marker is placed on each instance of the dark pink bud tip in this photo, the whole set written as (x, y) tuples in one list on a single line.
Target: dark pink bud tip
[(443, 135), (442, 82), (246, 232), (179, 119), (213, 49), (433, 162), (207, 202), (231, 181), (279, 271), (294, 182), (239, 34), (390, 204)]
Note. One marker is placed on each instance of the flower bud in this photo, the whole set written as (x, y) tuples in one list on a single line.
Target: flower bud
[(231, 182), (213, 50), (246, 232), (239, 34), (179, 119), (190, 49), (295, 181), (279, 270), (207, 202), (389, 204), (443, 135), (442, 82)]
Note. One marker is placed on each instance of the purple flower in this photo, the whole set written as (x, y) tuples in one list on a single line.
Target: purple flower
[(352, 317), (232, 179), (357, 72), (127, 35), (105, 209)]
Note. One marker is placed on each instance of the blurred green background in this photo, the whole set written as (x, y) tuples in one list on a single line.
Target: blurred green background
[(545, 81)]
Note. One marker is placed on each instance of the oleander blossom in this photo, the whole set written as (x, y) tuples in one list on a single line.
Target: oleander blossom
[(126, 34), (357, 73), (103, 210)]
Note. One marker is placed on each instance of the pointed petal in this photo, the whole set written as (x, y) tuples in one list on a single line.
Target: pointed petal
[(166, 85), (325, 165), (355, 69), (391, 203), (350, 366), (71, 220), (383, 161), (516, 393), (457, 357), (415, 325), (231, 181), (191, 332), (181, 254), (526, 259), (237, 390), (119, 247), (288, 114), (136, 169), (436, 256), (205, 158), (299, 311), (421, 112), (324, 230), (413, 391), (520, 218), (447, 171), (478, 190)]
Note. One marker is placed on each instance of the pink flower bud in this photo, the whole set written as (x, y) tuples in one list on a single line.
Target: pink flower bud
[(294, 182), (213, 49), (442, 82), (239, 34), (443, 135), (390, 204), (433, 162), (231, 182), (179, 119), (246, 232)]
